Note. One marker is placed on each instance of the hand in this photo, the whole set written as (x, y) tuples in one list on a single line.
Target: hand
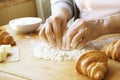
[(53, 30), (81, 32)]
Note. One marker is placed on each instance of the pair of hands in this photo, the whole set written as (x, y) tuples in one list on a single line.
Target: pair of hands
[(76, 36)]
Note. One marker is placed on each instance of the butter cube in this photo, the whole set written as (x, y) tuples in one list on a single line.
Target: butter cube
[(4, 51)]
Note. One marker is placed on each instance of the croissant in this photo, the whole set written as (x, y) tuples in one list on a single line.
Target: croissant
[(2, 29), (112, 50), (5, 37), (93, 64)]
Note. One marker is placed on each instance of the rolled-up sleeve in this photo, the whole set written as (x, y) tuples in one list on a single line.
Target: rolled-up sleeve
[(68, 4)]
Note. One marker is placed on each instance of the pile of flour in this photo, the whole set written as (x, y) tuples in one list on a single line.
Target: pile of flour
[(44, 51)]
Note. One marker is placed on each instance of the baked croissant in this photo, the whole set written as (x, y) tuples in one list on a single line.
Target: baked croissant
[(92, 64), (5, 37), (2, 29), (112, 50)]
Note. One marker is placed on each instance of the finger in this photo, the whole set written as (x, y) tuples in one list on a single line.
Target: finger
[(82, 44), (76, 39), (63, 30), (39, 28), (58, 34), (43, 35), (72, 31), (85, 38), (49, 34), (69, 37), (64, 42), (76, 25)]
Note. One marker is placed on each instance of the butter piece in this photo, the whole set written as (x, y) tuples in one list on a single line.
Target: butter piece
[(4, 51)]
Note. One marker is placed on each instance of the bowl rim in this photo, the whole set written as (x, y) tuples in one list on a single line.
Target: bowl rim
[(13, 20)]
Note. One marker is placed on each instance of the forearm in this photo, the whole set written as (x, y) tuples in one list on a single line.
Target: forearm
[(62, 8), (111, 24)]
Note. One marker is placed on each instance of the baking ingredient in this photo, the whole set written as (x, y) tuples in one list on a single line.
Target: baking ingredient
[(44, 51), (4, 51)]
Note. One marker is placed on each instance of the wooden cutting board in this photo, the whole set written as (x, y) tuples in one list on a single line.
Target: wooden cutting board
[(29, 68)]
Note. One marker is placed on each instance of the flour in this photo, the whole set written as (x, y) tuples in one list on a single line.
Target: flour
[(44, 51)]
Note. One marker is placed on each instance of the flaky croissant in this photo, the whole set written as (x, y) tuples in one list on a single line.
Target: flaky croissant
[(92, 64), (5, 37), (112, 50)]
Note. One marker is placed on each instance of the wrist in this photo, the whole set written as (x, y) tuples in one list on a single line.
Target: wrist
[(63, 13), (111, 24)]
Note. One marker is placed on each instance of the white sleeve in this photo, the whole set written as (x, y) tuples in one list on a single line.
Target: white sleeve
[(68, 4)]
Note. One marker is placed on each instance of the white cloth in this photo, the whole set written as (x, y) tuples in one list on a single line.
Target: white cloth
[(90, 9)]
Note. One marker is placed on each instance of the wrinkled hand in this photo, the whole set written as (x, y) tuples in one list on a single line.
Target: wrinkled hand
[(53, 30), (80, 33)]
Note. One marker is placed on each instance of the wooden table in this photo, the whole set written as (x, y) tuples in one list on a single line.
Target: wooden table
[(29, 68)]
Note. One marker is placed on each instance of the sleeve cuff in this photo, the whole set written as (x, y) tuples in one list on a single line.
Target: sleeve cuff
[(63, 4)]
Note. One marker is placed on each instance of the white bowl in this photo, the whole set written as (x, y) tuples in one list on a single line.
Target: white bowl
[(25, 24)]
